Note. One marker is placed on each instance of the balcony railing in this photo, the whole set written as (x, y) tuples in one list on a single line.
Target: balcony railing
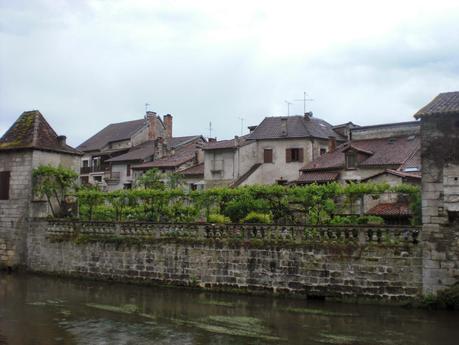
[(94, 169), (112, 177)]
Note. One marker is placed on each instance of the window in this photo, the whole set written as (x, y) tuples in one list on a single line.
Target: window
[(323, 151), (351, 160), (98, 178), (128, 170), (294, 155), (85, 163), (5, 185), (268, 156)]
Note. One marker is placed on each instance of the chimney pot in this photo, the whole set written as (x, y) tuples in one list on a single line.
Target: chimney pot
[(167, 119), (62, 140)]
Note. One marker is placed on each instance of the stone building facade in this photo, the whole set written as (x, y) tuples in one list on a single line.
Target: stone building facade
[(440, 191), (29, 143)]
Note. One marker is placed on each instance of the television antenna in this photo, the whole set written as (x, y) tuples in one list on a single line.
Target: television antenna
[(146, 107), (304, 99), (288, 107)]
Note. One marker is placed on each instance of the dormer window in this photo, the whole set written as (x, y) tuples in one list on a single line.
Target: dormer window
[(351, 160)]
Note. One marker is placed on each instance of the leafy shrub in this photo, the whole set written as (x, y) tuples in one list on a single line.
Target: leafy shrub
[(370, 220), (255, 217), (218, 218)]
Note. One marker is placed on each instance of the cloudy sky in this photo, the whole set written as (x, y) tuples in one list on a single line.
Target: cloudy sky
[(85, 64)]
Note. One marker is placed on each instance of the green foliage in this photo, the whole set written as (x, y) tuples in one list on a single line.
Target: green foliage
[(218, 219), (54, 183), (311, 204), (151, 179), (255, 217), (444, 299)]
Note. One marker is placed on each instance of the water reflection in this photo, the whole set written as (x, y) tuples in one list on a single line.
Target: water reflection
[(43, 310)]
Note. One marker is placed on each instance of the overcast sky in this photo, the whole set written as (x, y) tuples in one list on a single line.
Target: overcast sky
[(85, 64)]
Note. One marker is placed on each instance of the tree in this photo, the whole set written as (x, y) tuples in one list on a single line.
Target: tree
[(151, 179), (54, 183)]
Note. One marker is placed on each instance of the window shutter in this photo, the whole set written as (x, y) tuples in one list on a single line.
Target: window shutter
[(288, 155), (268, 156), (300, 155), (4, 185)]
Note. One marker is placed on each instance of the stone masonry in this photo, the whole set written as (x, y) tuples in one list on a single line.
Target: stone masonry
[(390, 272), (440, 201)]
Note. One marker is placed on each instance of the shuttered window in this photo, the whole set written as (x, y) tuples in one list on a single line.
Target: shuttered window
[(294, 155), (268, 156), (4, 185)]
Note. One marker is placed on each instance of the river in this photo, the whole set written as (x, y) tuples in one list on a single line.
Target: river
[(37, 310)]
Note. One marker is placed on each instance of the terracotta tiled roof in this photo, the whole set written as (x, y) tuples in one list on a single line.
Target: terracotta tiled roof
[(395, 173), (387, 209), (296, 127), (195, 170), (318, 176), (113, 132), (389, 152), (32, 131), (147, 149), (444, 103), (227, 144), (181, 156)]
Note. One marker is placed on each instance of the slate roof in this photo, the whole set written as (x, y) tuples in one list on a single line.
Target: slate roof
[(32, 131), (444, 103), (195, 170), (147, 149), (388, 209), (297, 127), (381, 152), (113, 132)]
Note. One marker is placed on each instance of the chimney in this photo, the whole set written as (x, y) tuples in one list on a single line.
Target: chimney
[(168, 123), (62, 140), (211, 140), (150, 118), (331, 143), (284, 127), (308, 115)]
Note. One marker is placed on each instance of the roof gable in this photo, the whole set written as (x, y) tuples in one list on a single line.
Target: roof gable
[(385, 152), (32, 131), (281, 127), (113, 132), (444, 103)]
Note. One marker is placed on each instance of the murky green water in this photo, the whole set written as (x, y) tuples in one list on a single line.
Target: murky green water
[(45, 311)]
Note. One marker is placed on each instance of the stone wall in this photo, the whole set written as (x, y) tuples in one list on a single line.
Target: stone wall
[(13, 212), (365, 262), (440, 201)]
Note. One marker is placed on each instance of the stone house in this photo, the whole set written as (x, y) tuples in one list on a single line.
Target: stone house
[(111, 154), (440, 191), (381, 153), (145, 156), (388, 153), (273, 152), (117, 139), (27, 144), (184, 155)]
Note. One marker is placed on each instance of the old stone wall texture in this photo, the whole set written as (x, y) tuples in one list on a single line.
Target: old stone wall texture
[(368, 271), (440, 199), (13, 212)]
